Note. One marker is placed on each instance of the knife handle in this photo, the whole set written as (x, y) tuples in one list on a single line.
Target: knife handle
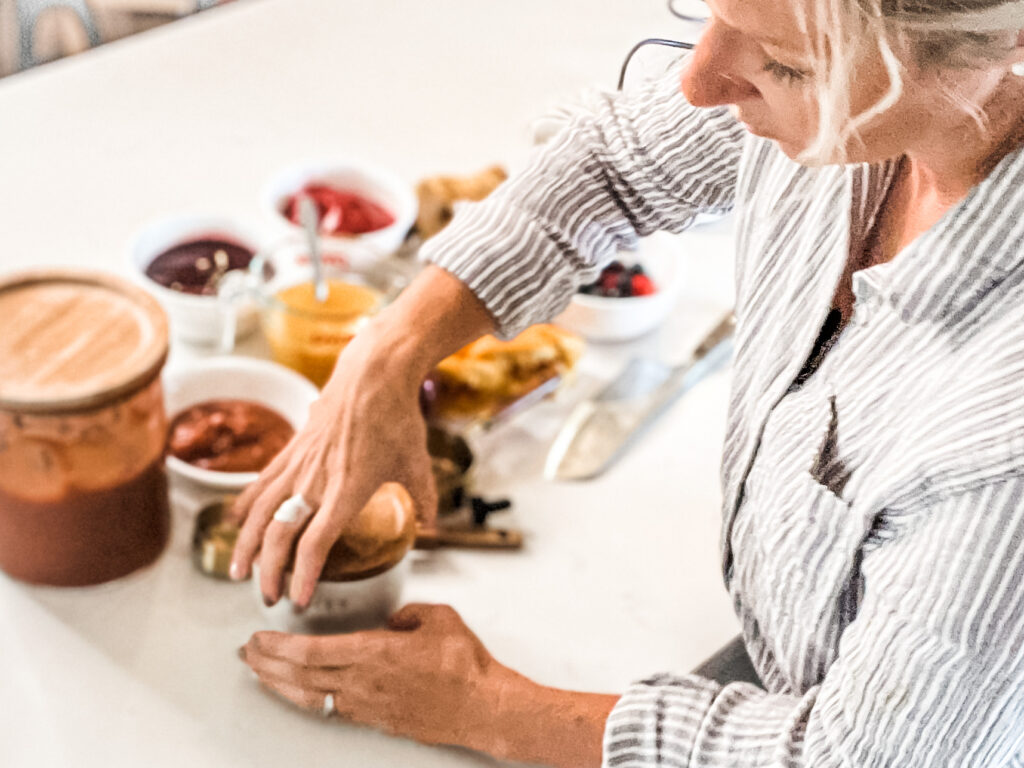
[(714, 350), (725, 328)]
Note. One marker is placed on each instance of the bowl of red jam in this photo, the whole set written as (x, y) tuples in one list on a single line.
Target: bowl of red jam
[(355, 201), (182, 260), (229, 417)]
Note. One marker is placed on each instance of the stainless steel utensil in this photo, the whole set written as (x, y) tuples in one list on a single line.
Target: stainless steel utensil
[(521, 404), (310, 217), (599, 430)]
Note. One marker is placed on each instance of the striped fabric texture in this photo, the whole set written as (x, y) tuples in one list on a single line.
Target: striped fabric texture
[(873, 516)]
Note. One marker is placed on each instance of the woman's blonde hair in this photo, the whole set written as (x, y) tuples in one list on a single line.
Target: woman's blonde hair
[(937, 34)]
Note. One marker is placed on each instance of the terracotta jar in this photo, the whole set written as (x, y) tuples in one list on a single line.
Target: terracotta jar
[(83, 493)]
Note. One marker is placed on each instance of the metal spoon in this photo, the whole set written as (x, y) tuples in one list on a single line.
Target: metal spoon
[(310, 218)]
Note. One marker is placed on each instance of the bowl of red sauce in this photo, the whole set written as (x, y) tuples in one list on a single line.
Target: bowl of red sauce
[(229, 417), (355, 200)]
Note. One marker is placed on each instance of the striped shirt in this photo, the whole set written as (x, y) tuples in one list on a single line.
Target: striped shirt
[(873, 518)]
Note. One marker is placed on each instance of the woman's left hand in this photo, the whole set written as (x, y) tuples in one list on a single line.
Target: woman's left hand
[(428, 677)]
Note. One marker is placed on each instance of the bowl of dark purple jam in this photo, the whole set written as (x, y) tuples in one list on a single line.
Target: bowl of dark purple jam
[(197, 266), (183, 259)]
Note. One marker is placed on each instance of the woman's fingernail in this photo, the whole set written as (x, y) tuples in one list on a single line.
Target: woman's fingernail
[(235, 572), (267, 601), (241, 653), (298, 608)]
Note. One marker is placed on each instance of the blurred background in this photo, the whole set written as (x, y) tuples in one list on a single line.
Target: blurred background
[(34, 32)]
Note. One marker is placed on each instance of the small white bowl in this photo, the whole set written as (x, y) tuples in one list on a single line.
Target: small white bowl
[(372, 181), (194, 319), (600, 318), (260, 381)]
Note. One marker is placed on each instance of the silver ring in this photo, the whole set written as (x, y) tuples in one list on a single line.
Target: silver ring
[(294, 510), (328, 707)]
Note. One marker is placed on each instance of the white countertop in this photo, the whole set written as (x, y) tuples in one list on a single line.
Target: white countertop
[(620, 575)]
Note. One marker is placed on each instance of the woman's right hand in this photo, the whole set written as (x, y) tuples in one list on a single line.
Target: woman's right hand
[(365, 430)]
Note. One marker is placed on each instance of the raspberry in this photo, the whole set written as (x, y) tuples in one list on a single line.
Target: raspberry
[(642, 285)]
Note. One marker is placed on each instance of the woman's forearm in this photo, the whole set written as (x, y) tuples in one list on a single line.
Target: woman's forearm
[(432, 318)]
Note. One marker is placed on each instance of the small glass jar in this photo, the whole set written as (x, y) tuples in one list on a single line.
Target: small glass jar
[(83, 491), (303, 333)]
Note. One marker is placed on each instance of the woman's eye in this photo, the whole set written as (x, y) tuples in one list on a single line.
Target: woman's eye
[(782, 73)]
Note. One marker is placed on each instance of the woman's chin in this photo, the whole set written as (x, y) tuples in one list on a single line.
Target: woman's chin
[(797, 152), (754, 128)]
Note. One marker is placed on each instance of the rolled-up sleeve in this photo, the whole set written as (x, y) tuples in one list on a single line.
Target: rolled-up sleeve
[(631, 165), (930, 673)]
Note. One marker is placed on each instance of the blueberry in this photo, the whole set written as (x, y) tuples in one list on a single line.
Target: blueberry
[(625, 284)]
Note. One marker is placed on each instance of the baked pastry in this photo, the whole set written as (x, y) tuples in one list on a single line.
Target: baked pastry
[(483, 377), (438, 195)]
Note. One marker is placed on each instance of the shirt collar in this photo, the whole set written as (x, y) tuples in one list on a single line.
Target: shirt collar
[(947, 273)]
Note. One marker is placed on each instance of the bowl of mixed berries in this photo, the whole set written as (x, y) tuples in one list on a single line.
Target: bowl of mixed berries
[(629, 298), (617, 281)]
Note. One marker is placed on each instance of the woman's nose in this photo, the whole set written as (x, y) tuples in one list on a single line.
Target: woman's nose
[(712, 77)]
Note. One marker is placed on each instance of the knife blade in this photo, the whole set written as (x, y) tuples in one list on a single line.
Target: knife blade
[(598, 431), (525, 402)]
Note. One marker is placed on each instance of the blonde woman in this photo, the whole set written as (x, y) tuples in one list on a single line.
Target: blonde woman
[(873, 474)]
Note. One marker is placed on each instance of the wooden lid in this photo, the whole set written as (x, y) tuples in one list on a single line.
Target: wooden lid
[(380, 536), (74, 339)]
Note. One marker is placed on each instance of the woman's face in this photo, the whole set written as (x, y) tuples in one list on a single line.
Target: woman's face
[(754, 57)]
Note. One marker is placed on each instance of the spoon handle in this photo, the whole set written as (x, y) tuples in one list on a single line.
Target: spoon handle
[(310, 217)]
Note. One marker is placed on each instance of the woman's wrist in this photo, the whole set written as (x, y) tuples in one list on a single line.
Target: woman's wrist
[(532, 723), (434, 317)]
